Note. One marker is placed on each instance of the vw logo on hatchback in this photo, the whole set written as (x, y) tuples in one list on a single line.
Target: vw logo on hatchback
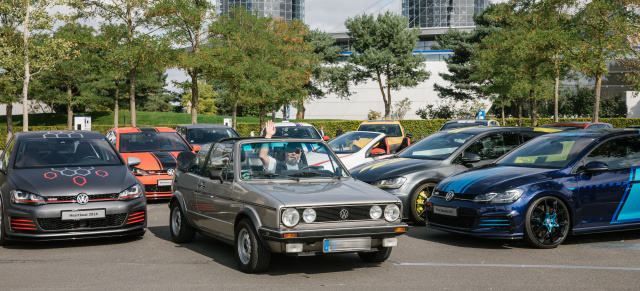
[(170, 172), (344, 214), (82, 198), (449, 196)]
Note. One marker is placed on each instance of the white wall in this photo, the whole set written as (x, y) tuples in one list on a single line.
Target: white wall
[(633, 104)]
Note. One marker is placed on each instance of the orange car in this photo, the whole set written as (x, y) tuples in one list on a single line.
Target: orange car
[(157, 148)]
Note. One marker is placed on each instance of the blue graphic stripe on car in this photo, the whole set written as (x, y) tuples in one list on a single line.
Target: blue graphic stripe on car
[(459, 186), (600, 185)]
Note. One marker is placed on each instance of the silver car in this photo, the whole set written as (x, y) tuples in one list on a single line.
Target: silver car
[(293, 207)]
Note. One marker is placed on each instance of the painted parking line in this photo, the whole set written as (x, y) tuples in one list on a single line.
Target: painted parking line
[(516, 266)]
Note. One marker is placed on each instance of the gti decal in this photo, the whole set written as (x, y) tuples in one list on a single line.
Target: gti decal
[(61, 134), (77, 174), (461, 185), (381, 164), (629, 208)]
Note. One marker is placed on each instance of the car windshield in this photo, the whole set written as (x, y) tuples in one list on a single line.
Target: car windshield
[(437, 146), (289, 160), (57, 152), (352, 142), (152, 142), (391, 130), (207, 135), (297, 132), (554, 151), (454, 125)]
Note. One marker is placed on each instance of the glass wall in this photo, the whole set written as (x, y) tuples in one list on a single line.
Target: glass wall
[(442, 13), (284, 9)]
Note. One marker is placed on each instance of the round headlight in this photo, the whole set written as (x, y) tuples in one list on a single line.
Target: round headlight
[(290, 217), (309, 215), (391, 212), (375, 212)]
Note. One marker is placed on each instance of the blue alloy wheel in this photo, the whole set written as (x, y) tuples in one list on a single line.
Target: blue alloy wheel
[(547, 223)]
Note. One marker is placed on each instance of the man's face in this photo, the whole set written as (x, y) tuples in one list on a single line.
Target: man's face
[(292, 156)]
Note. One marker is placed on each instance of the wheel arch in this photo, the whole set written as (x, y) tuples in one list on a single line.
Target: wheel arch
[(406, 208), (562, 197), (177, 196), (250, 214)]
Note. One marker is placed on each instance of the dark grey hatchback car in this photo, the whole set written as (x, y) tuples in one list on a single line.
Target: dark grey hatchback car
[(296, 207), (68, 185)]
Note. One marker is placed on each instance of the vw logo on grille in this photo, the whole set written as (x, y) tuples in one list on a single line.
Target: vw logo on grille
[(170, 172), (82, 198), (449, 196), (344, 214)]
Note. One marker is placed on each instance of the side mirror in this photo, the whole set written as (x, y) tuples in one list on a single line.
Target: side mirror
[(377, 152), (183, 161), (409, 135), (595, 166), (470, 158), (216, 175), (325, 138), (196, 148), (133, 161)]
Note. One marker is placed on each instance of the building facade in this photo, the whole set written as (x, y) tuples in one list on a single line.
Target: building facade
[(284, 9), (442, 13)]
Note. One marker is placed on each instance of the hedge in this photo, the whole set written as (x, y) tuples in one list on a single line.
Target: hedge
[(418, 128)]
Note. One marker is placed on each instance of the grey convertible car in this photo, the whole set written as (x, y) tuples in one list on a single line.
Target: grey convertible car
[(412, 174), (292, 207), (68, 185)]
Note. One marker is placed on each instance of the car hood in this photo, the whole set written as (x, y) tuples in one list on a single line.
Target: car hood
[(391, 168), (153, 161), (329, 192), (483, 180), (73, 180)]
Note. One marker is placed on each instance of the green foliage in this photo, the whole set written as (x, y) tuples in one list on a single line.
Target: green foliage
[(400, 109), (373, 115), (449, 109)]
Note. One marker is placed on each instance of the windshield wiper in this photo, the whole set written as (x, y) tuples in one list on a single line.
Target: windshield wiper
[(268, 175), (303, 174)]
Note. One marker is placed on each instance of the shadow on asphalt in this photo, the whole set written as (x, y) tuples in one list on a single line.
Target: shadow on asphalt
[(70, 243), (281, 265), (443, 237)]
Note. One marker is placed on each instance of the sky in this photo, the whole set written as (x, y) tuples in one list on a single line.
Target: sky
[(329, 15)]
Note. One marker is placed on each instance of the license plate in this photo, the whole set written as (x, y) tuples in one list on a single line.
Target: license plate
[(83, 214), (164, 182), (347, 244), (449, 211)]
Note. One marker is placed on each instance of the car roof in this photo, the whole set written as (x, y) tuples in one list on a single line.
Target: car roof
[(574, 123), (481, 129), (600, 132), (470, 121), (141, 129), (59, 134), (282, 124), (380, 122), (204, 125)]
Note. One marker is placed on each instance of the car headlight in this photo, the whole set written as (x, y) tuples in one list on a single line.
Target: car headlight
[(138, 172), (24, 197), (393, 183), (309, 215), (375, 212), (391, 212), (290, 217), (132, 192), (504, 196)]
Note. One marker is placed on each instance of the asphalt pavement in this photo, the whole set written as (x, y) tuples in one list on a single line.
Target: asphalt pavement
[(425, 259)]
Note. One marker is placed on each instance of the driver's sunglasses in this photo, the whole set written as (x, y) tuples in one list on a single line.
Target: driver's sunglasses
[(297, 151)]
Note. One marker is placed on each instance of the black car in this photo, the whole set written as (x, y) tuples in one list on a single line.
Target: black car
[(200, 134), (68, 184), (460, 123), (412, 174)]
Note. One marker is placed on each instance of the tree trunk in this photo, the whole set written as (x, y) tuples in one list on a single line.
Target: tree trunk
[(9, 120), (555, 97), (132, 96), (194, 97), (263, 114), (284, 112), (27, 74), (384, 98), (519, 112), (116, 108), (301, 111), (273, 112), (596, 104), (235, 108), (503, 118), (69, 108), (534, 107)]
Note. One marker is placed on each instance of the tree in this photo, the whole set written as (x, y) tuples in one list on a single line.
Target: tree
[(208, 103), (186, 24), (401, 108), (383, 53), (608, 32)]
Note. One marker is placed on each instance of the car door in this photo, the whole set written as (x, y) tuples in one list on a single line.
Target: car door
[(610, 197), (215, 196), (489, 147), (188, 183)]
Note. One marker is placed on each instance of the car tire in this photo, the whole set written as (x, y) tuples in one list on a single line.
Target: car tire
[(418, 203), (381, 255), (180, 229), (546, 223), (3, 234), (251, 254)]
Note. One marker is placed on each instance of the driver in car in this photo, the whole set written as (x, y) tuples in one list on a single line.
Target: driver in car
[(292, 154)]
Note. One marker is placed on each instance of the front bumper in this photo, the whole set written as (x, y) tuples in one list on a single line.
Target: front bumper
[(312, 240), (44, 222), (153, 190)]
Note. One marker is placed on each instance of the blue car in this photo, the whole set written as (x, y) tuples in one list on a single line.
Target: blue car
[(565, 183)]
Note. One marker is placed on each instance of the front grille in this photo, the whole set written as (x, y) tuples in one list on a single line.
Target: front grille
[(456, 196), (325, 214), (111, 220), (466, 222), (156, 188), (94, 197)]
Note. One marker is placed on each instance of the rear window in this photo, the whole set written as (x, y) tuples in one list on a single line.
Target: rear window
[(391, 130), (151, 142), (207, 135), (297, 132)]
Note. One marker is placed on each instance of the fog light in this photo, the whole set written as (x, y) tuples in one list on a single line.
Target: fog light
[(390, 242), (294, 248)]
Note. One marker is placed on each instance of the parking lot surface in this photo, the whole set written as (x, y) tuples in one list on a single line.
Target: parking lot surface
[(425, 259)]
